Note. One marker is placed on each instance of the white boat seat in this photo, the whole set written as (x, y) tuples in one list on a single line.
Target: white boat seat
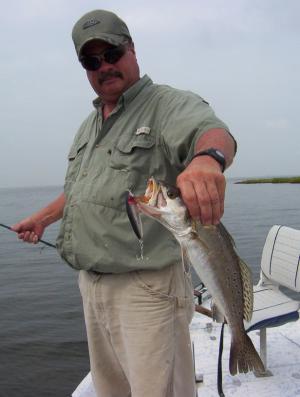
[(279, 267), (272, 308)]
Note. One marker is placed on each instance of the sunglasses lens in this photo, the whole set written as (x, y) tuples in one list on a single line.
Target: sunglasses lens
[(90, 62), (112, 55)]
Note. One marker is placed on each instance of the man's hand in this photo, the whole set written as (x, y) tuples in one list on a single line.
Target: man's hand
[(29, 229), (32, 228), (202, 186)]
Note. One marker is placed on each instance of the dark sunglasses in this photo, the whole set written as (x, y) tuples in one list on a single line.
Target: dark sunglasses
[(111, 55)]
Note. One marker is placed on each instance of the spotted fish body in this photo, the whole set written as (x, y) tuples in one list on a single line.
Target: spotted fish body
[(210, 250)]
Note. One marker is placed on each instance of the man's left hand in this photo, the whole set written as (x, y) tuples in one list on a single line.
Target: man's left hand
[(202, 186)]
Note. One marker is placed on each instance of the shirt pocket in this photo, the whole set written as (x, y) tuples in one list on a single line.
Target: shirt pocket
[(75, 159), (133, 154)]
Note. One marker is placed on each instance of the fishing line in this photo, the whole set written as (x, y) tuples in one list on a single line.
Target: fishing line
[(40, 240)]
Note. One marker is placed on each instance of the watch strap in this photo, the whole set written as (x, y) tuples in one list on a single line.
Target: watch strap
[(215, 154)]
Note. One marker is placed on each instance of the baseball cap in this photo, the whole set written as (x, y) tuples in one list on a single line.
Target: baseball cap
[(99, 25)]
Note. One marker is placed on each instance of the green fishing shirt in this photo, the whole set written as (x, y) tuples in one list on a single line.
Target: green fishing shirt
[(151, 132)]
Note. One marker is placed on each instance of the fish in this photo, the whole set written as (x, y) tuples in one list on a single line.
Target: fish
[(210, 250)]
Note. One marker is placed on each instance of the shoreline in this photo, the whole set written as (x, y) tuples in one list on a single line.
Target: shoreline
[(294, 179)]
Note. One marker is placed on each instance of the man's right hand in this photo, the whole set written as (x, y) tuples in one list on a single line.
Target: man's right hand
[(32, 228), (29, 229)]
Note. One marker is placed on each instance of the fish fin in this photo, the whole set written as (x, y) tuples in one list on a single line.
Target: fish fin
[(247, 290), (244, 357), (225, 234), (217, 315), (245, 274)]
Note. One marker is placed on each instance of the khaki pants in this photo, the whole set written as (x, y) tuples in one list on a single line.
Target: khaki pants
[(138, 335)]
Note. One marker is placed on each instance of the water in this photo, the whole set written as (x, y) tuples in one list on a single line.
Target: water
[(43, 350)]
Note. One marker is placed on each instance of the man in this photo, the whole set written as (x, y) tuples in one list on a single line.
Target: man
[(137, 309)]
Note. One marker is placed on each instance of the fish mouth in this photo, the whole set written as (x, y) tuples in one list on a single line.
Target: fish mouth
[(157, 194), (148, 203), (154, 203), (151, 194), (144, 203), (154, 196)]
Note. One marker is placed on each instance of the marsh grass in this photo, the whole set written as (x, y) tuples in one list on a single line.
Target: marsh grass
[(294, 179)]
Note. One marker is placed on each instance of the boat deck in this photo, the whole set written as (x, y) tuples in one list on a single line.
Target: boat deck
[(283, 361)]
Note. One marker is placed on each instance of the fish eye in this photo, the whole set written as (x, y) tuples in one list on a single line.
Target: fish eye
[(172, 192)]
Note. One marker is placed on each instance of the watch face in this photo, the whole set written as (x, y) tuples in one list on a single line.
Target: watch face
[(220, 153)]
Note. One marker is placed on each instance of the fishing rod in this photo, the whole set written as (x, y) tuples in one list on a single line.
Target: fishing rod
[(40, 240)]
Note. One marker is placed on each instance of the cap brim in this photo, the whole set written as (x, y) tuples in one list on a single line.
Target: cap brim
[(112, 39)]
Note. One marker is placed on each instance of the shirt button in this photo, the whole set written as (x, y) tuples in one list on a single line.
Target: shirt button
[(97, 145), (84, 173)]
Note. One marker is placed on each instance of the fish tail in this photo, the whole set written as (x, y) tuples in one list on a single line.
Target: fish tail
[(244, 357)]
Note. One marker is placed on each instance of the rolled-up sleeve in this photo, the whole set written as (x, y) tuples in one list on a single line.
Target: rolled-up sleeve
[(186, 117)]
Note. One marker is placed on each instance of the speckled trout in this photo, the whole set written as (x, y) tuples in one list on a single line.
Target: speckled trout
[(210, 250)]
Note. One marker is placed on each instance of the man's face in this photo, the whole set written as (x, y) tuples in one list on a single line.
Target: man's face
[(111, 80)]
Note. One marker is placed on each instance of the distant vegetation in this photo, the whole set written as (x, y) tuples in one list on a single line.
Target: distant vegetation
[(294, 179)]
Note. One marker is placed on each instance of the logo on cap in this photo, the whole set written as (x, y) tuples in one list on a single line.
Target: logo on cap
[(90, 23)]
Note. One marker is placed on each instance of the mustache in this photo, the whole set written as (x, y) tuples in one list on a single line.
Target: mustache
[(107, 75)]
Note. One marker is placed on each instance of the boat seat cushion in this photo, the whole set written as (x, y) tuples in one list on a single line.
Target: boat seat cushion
[(271, 308)]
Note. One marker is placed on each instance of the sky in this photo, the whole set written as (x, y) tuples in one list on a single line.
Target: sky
[(242, 56)]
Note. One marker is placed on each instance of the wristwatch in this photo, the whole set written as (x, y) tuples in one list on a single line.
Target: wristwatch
[(215, 154)]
